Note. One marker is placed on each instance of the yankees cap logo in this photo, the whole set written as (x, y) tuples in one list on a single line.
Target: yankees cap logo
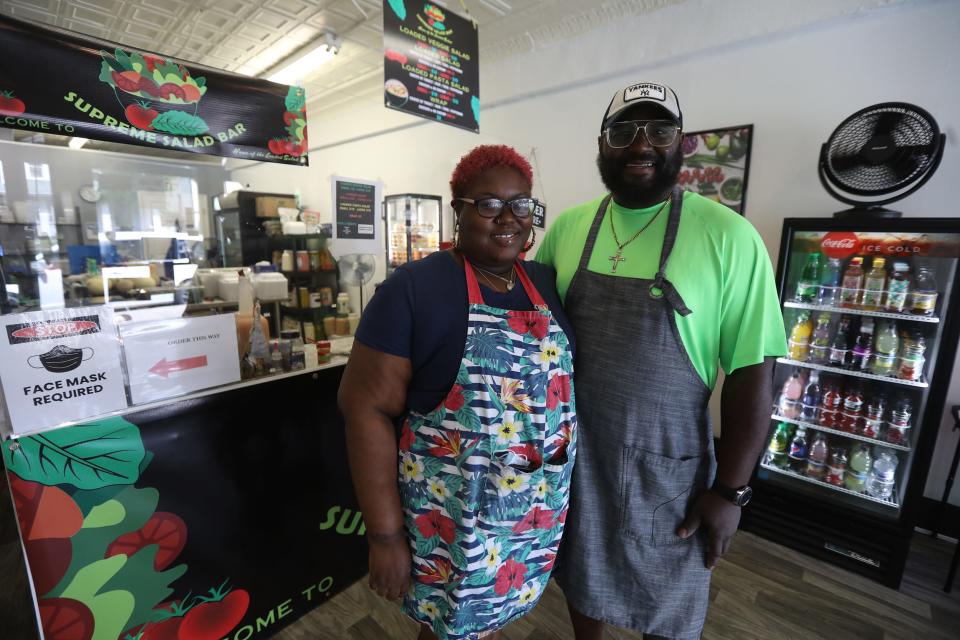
[(645, 91)]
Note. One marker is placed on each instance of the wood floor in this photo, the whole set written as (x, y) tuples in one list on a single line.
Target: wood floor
[(759, 591)]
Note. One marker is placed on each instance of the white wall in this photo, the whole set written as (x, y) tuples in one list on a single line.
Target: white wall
[(794, 70)]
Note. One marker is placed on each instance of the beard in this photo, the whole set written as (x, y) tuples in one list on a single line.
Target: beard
[(628, 191)]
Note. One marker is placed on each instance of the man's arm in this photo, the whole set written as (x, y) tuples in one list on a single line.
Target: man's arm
[(744, 422)]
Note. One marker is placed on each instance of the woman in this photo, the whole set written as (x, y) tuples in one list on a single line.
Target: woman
[(468, 351)]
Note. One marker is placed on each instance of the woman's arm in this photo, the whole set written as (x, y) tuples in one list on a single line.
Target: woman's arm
[(372, 392)]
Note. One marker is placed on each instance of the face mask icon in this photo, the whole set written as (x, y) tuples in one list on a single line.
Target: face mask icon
[(60, 359)]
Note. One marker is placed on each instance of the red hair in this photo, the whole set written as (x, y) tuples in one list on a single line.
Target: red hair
[(484, 157)]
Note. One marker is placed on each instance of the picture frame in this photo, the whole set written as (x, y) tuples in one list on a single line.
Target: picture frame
[(716, 164)]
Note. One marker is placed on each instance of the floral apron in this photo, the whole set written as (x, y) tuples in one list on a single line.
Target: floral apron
[(484, 477)]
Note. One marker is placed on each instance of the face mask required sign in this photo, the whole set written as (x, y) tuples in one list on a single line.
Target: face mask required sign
[(63, 83), (60, 366)]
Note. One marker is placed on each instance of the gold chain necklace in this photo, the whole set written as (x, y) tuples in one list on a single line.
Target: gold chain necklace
[(617, 258), (510, 282)]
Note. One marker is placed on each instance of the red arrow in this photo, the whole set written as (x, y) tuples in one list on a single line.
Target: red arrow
[(165, 368)]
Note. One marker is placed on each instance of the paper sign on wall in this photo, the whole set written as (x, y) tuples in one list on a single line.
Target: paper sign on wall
[(174, 357), (60, 366)]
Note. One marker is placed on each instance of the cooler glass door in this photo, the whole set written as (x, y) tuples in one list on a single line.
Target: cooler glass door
[(864, 336)]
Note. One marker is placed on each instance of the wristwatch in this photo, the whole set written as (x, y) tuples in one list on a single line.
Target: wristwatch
[(739, 496)]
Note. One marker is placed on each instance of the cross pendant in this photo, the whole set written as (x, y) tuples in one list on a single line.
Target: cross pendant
[(616, 259)]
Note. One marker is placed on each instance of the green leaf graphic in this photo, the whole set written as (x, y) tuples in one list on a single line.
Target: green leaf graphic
[(180, 123), (111, 609), (149, 586), (108, 514), (86, 456), (90, 545)]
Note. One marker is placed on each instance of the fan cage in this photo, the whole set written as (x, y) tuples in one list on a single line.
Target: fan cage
[(915, 136)]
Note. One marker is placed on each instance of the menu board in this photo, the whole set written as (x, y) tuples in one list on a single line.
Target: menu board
[(716, 164), (355, 205), (430, 66)]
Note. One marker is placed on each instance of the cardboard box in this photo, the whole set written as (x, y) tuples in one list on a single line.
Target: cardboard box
[(266, 206)]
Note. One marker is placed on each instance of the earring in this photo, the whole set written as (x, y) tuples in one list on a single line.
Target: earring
[(456, 234), (533, 238)]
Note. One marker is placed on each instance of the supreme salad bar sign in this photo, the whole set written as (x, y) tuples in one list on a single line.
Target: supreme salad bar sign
[(430, 66), (59, 82), (60, 366)]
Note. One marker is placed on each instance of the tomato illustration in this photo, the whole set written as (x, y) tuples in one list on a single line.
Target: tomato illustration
[(168, 89), (140, 115), (166, 530), (214, 619), (66, 619), (289, 117), (49, 560), (10, 106), (190, 93), (276, 146), (128, 81), (152, 62), (163, 630)]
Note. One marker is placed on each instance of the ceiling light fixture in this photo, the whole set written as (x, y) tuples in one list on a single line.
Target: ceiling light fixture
[(76, 143), (306, 60)]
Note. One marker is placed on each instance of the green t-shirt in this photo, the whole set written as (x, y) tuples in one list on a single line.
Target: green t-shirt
[(719, 265)]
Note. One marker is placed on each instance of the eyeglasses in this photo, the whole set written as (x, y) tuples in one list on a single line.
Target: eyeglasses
[(491, 207), (659, 133)]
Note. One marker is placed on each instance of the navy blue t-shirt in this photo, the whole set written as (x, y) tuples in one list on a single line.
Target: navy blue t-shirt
[(420, 313)]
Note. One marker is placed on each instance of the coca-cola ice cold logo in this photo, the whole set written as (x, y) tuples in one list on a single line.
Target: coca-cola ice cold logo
[(840, 244)]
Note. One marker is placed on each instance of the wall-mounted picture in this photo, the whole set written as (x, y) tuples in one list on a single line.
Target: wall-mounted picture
[(716, 164)]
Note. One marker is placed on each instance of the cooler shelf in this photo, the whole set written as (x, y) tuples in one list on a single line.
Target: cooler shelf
[(890, 502), (854, 374), (844, 434), (861, 312)]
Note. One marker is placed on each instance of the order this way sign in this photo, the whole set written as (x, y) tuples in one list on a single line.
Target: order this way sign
[(60, 366), (171, 358)]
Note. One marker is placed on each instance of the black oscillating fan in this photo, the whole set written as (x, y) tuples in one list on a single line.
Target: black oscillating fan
[(879, 155)]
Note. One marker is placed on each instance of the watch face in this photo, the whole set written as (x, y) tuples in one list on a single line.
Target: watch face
[(744, 495)]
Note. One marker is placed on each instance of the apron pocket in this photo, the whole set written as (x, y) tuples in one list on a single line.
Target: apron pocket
[(655, 491), (509, 488)]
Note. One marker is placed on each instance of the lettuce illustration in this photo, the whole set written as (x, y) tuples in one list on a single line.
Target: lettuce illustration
[(398, 8), (475, 107), (180, 123)]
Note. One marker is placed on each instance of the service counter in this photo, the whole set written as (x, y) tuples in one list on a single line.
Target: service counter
[(229, 510)]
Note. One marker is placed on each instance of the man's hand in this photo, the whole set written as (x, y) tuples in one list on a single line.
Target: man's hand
[(390, 565), (719, 517)]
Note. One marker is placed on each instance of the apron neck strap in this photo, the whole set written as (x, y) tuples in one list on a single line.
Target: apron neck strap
[(670, 237), (592, 236), (476, 297)]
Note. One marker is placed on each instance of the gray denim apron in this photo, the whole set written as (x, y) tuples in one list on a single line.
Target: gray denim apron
[(646, 451)]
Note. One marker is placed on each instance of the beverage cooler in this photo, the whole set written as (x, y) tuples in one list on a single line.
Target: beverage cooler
[(414, 226), (871, 314)]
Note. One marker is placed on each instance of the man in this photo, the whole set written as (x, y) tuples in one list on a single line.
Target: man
[(660, 286)]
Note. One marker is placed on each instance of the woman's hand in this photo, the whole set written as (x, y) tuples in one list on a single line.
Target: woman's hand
[(390, 565)]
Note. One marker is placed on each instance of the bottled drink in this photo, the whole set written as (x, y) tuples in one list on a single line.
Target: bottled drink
[(799, 343), (811, 399), (874, 284), (820, 343), (830, 405), (852, 283), (840, 347), (885, 355), (898, 287), (809, 282), (829, 293), (881, 480), (912, 357), (777, 450), (873, 416), (923, 298), (858, 467), (837, 466), (817, 458), (863, 346), (797, 453), (852, 410), (790, 395), (276, 358), (898, 426)]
